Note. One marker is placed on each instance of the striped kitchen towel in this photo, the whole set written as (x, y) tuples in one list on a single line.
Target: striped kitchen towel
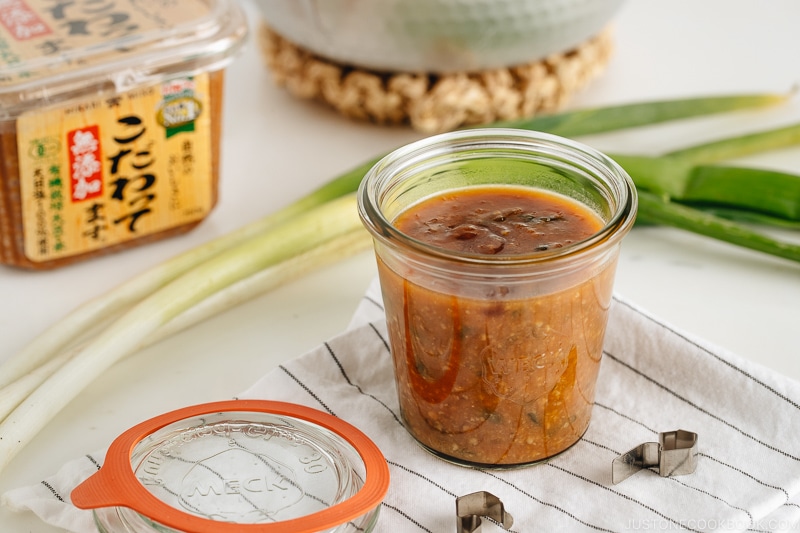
[(653, 379)]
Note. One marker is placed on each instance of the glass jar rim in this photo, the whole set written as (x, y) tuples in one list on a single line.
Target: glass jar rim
[(599, 165)]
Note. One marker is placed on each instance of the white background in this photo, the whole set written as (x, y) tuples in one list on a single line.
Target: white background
[(277, 148)]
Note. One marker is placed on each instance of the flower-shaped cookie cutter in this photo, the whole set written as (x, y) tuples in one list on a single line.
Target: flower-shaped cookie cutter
[(675, 454), (471, 508)]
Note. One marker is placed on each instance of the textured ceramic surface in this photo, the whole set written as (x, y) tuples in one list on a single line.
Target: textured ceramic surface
[(437, 35)]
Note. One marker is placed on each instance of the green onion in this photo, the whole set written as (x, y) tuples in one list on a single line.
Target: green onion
[(65, 331), (763, 191), (245, 289), (15, 392), (612, 118), (750, 217), (687, 176), (740, 146), (303, 233), (656, 209)]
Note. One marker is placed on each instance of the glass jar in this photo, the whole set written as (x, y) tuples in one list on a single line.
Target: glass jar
[(239, 466), (496, 356)]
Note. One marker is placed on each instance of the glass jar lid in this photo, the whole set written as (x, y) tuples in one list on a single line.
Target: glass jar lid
[(238, 466)]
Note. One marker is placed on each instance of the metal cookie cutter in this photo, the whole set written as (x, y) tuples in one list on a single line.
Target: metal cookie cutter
[(471, 507), (674, 454)]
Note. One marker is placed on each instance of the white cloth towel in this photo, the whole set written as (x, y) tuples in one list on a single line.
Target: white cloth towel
[(653, 378)]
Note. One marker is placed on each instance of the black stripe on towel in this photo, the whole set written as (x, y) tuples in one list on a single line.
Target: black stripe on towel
[(53, 491), (712, 354), (700, 409)]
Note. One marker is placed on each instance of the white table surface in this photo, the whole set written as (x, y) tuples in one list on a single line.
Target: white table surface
[(276, 148)]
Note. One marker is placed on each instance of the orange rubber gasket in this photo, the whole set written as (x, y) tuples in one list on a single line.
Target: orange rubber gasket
[(116, 485)]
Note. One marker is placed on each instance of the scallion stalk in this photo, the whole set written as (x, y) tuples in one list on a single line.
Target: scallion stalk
[(750, 217), (739, 145), (245, 289), (300, 234), (691, 175), (612, 118), (769, 192), (656, 209), (112, 303)]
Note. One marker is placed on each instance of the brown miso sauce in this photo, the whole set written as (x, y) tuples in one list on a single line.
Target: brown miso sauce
[(506, 379), (498, 221)]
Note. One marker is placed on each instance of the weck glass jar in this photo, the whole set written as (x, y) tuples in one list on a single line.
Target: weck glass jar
[(496, 310), (241, 466)]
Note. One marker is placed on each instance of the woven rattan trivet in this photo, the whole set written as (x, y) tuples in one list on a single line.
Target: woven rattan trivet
[(435, 103)]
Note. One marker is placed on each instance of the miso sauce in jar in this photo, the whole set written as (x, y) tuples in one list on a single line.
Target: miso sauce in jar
[(496, 253), (491, 381)]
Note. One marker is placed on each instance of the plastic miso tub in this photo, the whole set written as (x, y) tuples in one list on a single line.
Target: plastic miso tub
[(110, 123)]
